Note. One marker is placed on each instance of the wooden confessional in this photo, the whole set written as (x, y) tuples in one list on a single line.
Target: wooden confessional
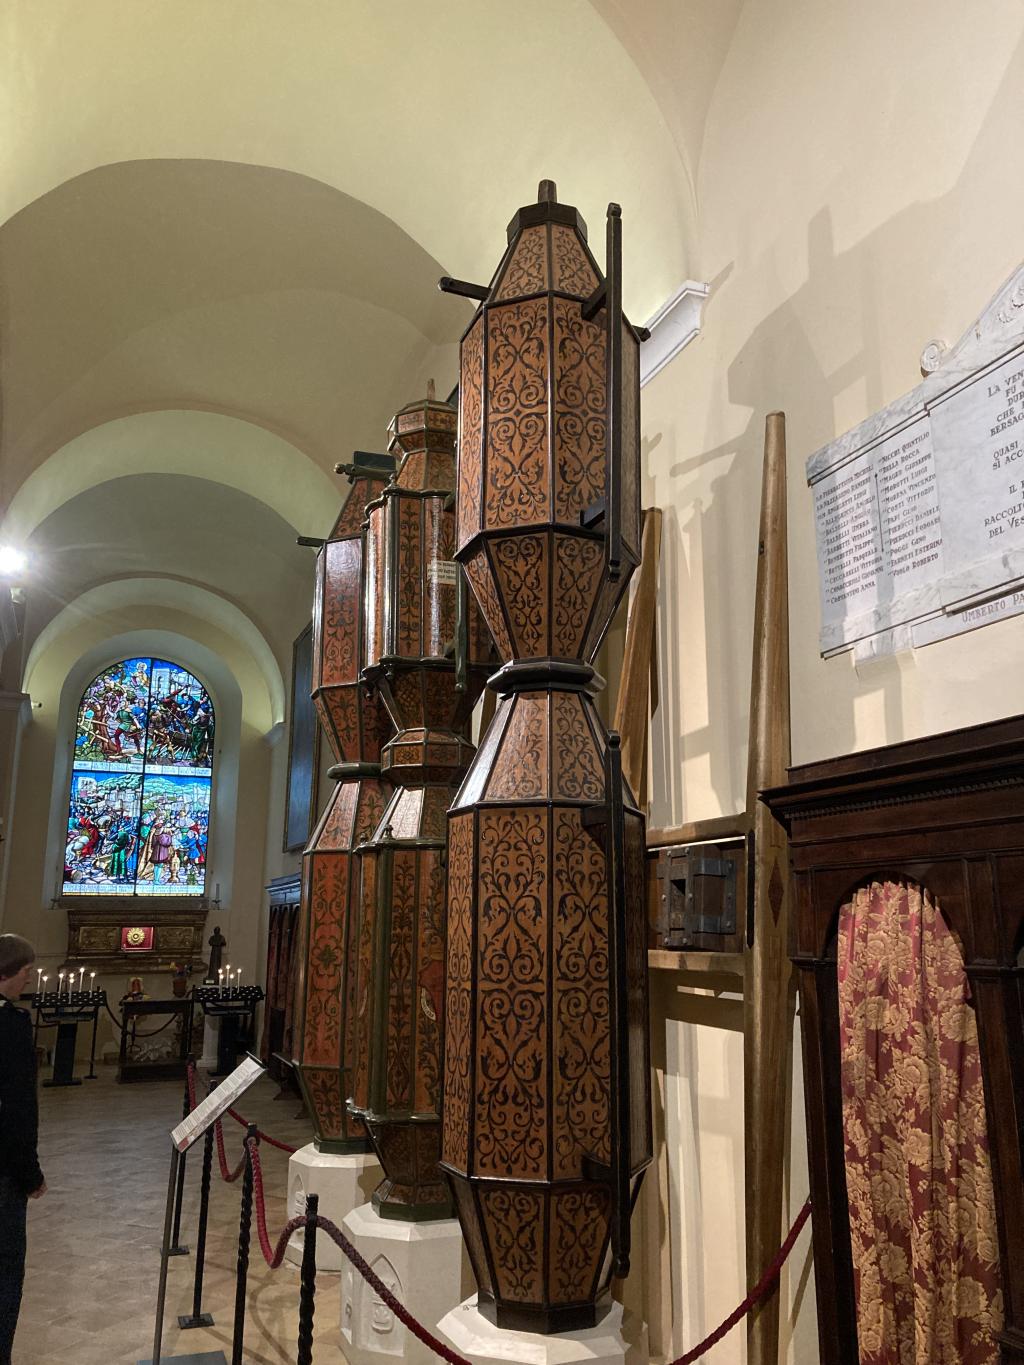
[(946, 812)]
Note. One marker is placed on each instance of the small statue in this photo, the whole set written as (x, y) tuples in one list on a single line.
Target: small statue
[(217, 943), (134, 991)]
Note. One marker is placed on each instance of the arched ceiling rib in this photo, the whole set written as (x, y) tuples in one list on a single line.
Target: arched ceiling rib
[(140, 603), (200, 445), (181, 284)]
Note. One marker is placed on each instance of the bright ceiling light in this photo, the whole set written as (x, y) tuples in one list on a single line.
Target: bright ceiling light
[(12, 561)]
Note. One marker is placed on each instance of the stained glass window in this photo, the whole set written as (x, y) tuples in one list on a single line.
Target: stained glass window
[(139, 813)]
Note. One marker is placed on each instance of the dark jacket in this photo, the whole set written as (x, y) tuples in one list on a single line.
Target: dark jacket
[(19, 1106)]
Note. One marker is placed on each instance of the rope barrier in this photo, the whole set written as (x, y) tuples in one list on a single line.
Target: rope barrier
[(273, 1254), (264, 1137)]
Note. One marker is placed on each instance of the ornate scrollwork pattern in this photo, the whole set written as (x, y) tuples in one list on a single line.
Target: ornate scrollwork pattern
[(429, 985), (511, 1067), (479, 574), (409, 640), (363, 1020), (400, 982), (581, 993), (522, 570), (325, 957), (579, 564), (517, 490), (579, 1226), (581, 454), (459, 991), (526, 272), (520, 770), (579, 774), (471, 433), (515, 1224), (573, 273)]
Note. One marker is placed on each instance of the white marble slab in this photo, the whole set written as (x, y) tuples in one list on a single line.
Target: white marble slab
[(919, 509)]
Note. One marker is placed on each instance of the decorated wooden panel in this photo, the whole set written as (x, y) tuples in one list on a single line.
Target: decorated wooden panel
[(510, 1124)]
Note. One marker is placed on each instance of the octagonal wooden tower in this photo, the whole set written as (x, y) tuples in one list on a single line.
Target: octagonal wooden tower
[(547, 1124), (356, 725), (428, 652)]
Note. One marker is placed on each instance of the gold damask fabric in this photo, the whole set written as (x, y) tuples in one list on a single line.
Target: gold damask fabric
[(922, 1213)]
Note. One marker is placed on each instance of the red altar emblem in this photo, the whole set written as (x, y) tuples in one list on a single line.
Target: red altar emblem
[(136, 940)]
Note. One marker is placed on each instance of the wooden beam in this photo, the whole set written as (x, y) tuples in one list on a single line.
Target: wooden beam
[(700, 831), (768, 987), (633, 706)]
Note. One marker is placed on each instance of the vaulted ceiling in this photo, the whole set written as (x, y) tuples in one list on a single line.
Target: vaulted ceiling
[(221, 228)]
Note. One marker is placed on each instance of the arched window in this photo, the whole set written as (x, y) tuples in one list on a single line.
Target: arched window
[(139, 811)]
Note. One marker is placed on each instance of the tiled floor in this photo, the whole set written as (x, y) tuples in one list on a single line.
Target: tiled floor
[(94, 1239)]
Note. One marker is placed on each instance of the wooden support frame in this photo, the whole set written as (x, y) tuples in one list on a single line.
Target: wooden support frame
[(758, 955)]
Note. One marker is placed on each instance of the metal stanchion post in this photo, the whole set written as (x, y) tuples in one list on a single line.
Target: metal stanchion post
[(198, 1318), (90, 1075), (176, 1249), (244, 1228), (307, 1284)]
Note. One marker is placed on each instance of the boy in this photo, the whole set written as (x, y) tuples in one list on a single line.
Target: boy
[(20, 1176)]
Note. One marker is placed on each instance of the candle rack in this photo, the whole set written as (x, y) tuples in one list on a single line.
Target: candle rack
[(65, 1010), (235, 1008)]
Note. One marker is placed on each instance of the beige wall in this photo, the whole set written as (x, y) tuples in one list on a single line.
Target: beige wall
[(856, 199), (846, 180)]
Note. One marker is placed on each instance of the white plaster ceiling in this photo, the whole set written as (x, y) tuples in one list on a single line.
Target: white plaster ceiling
[(221, 227)]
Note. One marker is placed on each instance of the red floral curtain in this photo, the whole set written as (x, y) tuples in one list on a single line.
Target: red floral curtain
[(922, 1214)]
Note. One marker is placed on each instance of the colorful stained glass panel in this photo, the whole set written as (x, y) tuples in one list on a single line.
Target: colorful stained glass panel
[(139, 813)]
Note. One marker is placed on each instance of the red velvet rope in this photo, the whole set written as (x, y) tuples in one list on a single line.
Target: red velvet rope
[(759, 1291), (225, 1173), (263, 1137), (274, 1255)]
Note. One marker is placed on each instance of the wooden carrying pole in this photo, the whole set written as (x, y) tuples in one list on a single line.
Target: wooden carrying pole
[(633, 705), (768, 997)]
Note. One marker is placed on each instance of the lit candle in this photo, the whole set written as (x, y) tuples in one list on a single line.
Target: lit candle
[(81, 977), (227, 977), (92, 982), (39, 979), (239, 978), (60, 983)]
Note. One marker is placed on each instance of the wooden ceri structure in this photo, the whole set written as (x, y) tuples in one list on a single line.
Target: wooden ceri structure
[(356, 726), (427, 653), (946, 812), (718, 892), (547, 1127)]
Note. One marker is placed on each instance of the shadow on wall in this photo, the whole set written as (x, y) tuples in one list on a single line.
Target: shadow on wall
[(841, 310)]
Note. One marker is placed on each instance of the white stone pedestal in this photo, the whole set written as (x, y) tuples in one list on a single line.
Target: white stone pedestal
[(342, 1182), (620, 1338), (423, 1264)]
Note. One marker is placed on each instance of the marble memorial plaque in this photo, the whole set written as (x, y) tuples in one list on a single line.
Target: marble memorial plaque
[(919, 510), (978, 432)]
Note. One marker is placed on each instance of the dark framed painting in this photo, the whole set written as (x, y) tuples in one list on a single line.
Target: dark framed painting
[(303, 748)]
